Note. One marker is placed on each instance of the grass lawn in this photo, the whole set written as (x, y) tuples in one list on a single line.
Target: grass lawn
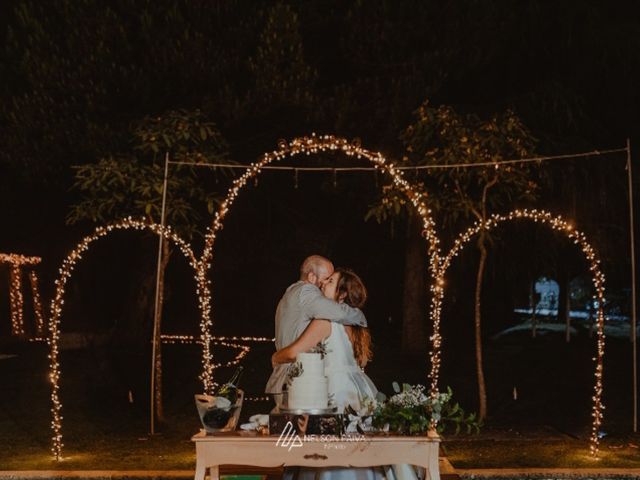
[(104, 453), (541, 453)]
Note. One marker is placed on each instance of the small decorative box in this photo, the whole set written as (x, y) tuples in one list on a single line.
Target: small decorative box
[(306, 423)]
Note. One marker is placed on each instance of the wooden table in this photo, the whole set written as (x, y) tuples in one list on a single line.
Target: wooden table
[(248, 448)]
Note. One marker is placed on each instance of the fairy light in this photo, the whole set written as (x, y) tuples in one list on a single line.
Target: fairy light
[(557, 223), (243, 351), (64, 273), (309, 145), (37, 304), (263, 398), (16, 299), (224, 341), (247, 339), (190, 339), (20, 260)]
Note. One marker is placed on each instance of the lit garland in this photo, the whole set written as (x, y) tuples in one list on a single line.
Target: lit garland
[(37, 305), (16, 259), (558, 224), (190, 339), (180, 339), (56, 306), (312, 145), (16, 299), (246, 339), (244, 350), (263, 398)]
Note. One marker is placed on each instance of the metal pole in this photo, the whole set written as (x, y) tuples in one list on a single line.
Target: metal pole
[(634, 337), (156, 308)]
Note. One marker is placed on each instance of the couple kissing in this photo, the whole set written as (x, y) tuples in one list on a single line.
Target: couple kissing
[(324, 306)]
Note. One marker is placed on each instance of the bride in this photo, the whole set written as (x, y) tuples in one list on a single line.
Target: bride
[(348, 350)]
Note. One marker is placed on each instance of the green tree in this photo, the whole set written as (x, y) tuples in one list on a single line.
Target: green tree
[(279, 69), (131, 183), (78, 73), (395, 208), (441, 136)]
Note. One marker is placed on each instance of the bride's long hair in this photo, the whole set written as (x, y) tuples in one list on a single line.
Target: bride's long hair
[(352, 291)]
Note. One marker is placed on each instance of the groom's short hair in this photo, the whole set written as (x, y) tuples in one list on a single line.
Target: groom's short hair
[(313, 264)]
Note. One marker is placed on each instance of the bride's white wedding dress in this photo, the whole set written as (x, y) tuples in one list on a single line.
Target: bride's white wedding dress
[(348, 385)]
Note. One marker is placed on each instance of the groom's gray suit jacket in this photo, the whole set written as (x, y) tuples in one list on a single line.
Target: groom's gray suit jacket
[(301, 303)]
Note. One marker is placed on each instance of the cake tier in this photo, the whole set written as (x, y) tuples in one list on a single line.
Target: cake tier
[(308, 393), (312, 364)]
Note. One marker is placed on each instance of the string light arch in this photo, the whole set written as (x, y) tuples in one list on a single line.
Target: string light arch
[(558, 224), (309, 145), (438, 265), (64, 273)]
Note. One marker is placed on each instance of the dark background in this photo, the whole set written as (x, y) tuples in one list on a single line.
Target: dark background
[(75, 75)]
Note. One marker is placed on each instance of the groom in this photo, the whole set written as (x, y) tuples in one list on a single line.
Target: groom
[(302, 302)]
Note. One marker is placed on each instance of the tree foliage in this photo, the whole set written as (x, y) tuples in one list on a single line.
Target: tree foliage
[(442, 137), (282, 76), (131, 183), (81, 72)]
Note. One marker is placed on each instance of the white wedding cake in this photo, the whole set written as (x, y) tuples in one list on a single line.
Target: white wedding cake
[(310, 389)]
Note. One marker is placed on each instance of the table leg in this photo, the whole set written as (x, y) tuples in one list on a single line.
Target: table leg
[(433, 470), (214, 472), (201, 471)]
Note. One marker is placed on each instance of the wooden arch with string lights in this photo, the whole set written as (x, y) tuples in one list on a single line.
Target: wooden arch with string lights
[(558, 224), (307, 146), (64, 273)]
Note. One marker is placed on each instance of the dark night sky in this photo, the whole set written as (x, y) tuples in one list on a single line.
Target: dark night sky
[(569, 70)]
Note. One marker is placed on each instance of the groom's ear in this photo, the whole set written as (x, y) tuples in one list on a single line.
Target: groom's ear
[(312, 278)]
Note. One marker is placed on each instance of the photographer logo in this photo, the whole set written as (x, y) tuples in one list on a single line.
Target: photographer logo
[(289, 438)]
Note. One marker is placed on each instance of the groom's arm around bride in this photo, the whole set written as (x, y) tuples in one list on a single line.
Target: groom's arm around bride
[(302, 302), (316, 305)]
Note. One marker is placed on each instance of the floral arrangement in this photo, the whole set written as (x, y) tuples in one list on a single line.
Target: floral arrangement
[(411, 411), (294, 370), (321, 348), (361, 420)]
